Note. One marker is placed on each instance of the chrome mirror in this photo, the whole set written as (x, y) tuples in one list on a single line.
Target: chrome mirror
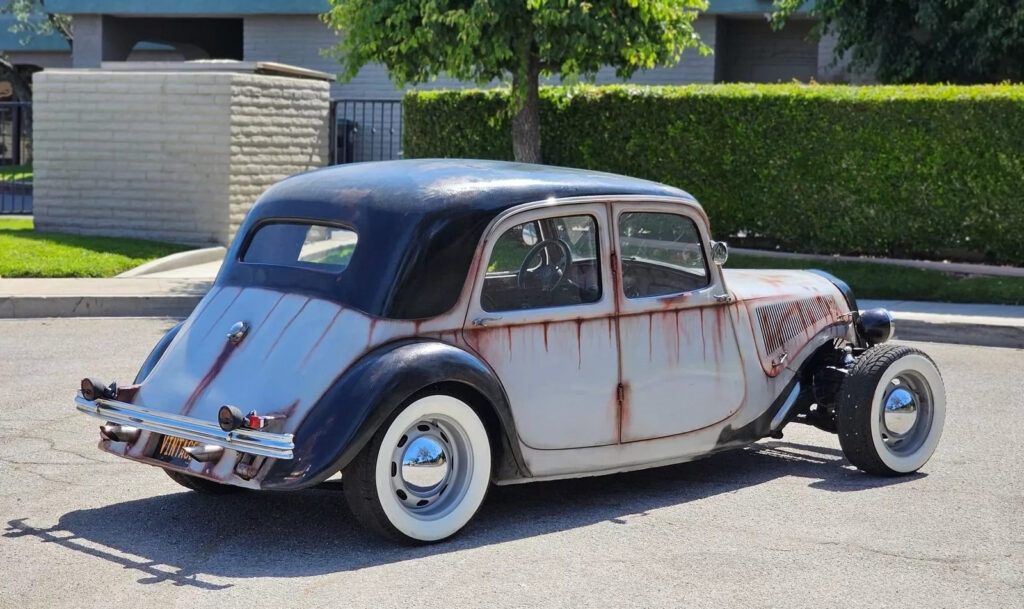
[(719, 252)]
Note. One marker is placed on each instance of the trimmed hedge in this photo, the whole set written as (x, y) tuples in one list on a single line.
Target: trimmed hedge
[(909, 171)]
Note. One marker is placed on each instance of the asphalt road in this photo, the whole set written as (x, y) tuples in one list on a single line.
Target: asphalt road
[(782, 524)]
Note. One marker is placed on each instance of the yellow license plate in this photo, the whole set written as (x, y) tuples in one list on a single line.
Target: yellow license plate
[(172, 450)]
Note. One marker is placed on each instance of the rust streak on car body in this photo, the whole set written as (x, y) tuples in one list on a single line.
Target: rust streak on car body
[(269, 313), (579, 343), (650, 337), (675, 300), (238, 292), (672, 340), (721, 315), (371, 326), (323, 334), (621, 402), (286, 326), (703, 339), (222, 358)]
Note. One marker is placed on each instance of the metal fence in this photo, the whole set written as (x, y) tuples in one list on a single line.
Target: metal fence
[(365, 130), (15, 158)]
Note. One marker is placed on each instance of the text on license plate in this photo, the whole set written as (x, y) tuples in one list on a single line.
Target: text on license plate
[(172, 450)]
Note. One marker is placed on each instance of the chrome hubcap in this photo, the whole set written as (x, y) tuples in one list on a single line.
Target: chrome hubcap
[(900, 411), (424, 465), (429, 467), (906, 413)]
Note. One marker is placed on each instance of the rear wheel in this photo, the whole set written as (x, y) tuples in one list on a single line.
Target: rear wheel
[(423, 475), (891, 410), (201, 485)]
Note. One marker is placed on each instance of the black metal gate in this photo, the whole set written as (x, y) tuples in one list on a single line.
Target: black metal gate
[(365, 130), (15, 157)]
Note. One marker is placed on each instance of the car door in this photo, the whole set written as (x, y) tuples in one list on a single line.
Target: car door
[(681, 366), (549, 332)]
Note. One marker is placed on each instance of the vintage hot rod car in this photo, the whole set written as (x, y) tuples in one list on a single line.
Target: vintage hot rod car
[(429, 327)]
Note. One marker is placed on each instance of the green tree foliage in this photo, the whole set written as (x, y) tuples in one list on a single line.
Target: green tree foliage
[(926, 41), (518, 40)]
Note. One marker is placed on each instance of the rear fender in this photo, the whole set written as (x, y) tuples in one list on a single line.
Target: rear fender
[(366, 395), (157, 353)]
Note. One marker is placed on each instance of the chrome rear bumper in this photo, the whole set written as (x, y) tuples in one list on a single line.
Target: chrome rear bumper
[(263, 443)]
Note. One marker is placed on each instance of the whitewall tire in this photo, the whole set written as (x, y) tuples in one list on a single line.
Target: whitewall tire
[(891, 410), (424, 474)]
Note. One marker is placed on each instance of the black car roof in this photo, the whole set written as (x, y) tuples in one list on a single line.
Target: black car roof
[(418, 222)]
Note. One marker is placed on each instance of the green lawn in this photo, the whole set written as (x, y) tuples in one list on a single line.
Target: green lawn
[(28, 253), (882, 281), (15, 172)]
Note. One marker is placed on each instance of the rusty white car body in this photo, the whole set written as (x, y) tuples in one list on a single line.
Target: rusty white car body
[(430, 327)]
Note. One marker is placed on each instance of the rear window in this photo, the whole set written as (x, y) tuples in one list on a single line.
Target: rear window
[(315, 246)]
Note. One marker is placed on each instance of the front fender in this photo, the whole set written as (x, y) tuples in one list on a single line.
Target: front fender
[(368, 393)]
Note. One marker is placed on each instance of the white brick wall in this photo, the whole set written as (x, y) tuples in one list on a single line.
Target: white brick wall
[(153, 155), (279, 128)]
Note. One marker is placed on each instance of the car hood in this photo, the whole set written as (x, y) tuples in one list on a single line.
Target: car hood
[(295, 348), (788, 311), (756, 284)]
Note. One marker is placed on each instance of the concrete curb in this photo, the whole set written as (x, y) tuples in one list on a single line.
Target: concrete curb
[(22, 307), (177, 261), (960, 333), (132, 297)]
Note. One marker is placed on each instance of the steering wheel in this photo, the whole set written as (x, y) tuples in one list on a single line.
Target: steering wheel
[(547, 276)]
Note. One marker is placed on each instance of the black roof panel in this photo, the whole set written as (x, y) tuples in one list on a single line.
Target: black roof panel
[(418, 221)]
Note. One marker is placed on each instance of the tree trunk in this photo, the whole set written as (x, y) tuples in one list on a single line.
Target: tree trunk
[(526, 120)]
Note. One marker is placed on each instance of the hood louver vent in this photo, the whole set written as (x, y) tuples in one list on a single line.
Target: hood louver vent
[(782, 323)]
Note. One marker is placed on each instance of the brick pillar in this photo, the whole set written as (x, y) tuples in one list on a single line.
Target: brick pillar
[(175, 156)]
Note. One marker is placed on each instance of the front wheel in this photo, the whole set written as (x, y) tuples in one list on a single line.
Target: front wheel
[(891, 410), (422, 476)]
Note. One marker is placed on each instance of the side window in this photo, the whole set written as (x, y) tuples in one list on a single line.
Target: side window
[(552, 262), (661, 253)]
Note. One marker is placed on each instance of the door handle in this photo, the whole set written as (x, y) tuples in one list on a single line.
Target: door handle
[(483, 321), (723, 298)]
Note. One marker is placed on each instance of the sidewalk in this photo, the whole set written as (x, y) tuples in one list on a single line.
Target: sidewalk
[(962, 268), (985, 325), (962, 324)]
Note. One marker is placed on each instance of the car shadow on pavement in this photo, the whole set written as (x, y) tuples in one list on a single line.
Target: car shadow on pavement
[(182, 537)]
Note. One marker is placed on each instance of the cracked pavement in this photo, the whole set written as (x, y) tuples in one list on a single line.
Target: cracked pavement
[(785, 523)]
